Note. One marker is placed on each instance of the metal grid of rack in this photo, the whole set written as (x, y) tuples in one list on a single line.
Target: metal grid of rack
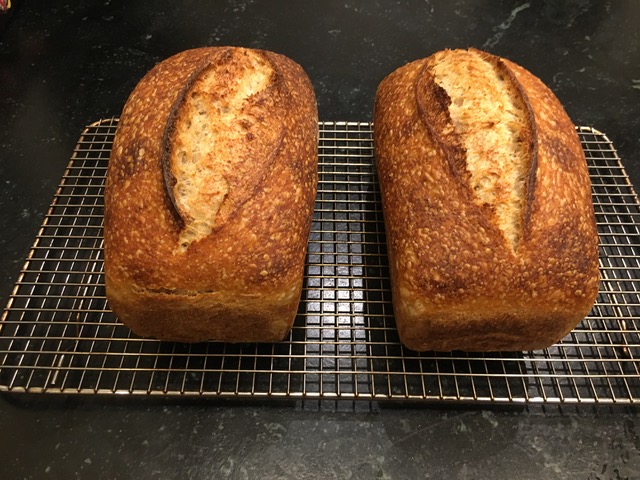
[(57, 334)]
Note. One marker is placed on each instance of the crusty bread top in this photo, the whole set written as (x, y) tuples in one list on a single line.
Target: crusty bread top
[(246, 121), (490, 122), (218, 133), (449, 245)]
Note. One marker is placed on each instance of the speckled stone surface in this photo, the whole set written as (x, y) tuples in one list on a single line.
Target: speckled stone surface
[(64, 65), (106, 439)]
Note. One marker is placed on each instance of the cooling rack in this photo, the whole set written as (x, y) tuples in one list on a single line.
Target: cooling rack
[(57, 334)]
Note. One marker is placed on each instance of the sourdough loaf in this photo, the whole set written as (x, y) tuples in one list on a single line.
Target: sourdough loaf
[(490, 225), (209, 197)]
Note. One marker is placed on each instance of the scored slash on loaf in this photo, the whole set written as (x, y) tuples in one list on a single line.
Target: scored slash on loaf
[(209, 197), (486, 196)]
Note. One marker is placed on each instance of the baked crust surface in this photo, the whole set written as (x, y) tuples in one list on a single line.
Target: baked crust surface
[(457, 283), (240, 281)]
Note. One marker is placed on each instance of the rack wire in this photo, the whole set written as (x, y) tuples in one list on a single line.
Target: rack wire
[(57, 334)]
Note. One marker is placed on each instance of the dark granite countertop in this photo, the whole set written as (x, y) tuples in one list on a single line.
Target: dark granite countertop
[(64, 65)]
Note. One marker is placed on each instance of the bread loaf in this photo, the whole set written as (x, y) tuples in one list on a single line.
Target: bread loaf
[(486, 196), (209, 197)]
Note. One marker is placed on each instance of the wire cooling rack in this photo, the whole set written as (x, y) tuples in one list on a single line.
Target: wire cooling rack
[(57, 334)]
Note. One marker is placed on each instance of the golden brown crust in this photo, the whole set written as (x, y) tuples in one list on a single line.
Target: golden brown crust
[(456, 284), (243, 281)]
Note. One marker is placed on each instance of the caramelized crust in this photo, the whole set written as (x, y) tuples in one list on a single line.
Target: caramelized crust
[(493, 125), (216, 135), (510, 267), (209, 197)]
